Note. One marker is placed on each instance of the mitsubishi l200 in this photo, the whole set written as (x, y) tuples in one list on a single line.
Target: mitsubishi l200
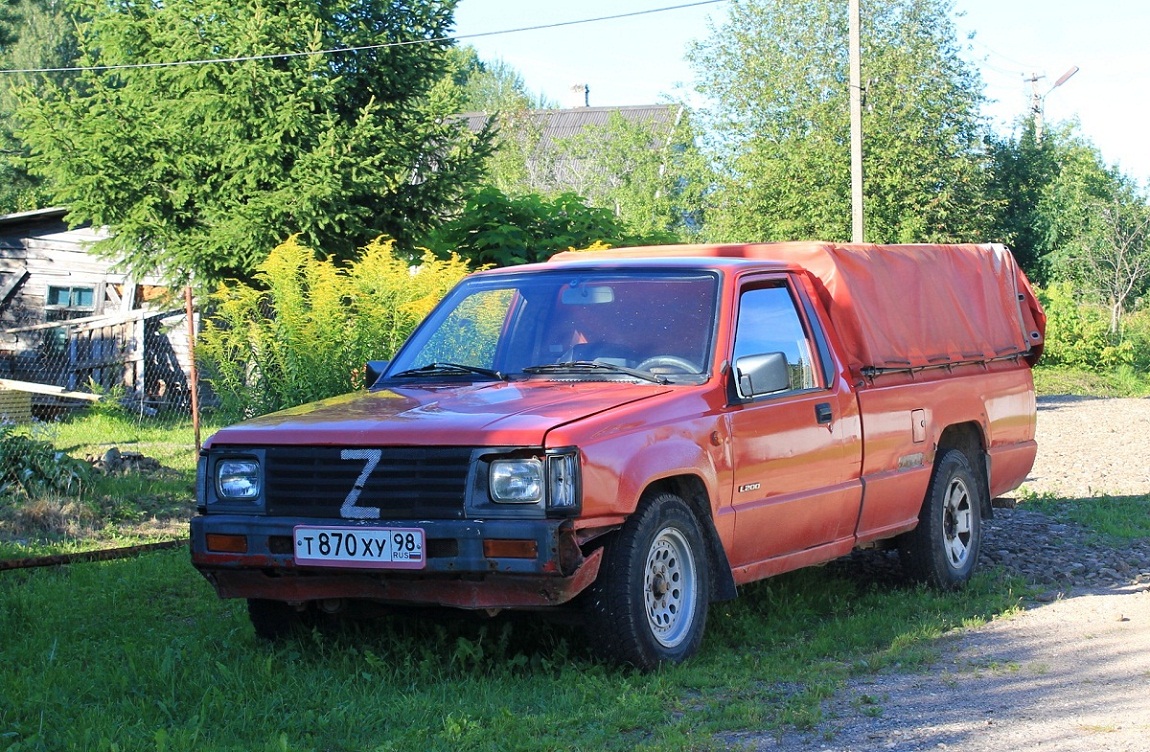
[(635, 433)]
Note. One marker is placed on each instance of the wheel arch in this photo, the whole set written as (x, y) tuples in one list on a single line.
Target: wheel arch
[(970, 439), (692, 490)]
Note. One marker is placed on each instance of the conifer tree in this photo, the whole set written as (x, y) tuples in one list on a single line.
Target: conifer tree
[(202, 168)]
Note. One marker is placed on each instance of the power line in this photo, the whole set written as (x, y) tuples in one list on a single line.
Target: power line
[(1013, 73), (381, 46), (998, 54)]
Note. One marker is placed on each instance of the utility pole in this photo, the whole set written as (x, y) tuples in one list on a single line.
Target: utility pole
[(1038, 101), (856, 124)]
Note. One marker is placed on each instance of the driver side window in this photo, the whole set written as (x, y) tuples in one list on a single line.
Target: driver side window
[(769, 323)]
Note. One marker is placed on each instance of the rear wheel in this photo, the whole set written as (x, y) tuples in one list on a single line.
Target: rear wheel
[(942, 550), (649, 604)]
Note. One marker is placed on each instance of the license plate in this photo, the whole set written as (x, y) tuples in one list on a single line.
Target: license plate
[(361, 547)]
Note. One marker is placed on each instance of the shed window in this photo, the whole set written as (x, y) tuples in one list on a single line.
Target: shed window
[(70, 302)]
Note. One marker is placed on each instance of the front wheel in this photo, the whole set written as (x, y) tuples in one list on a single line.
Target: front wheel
[(275, 620), (943, 549), (649, 604)]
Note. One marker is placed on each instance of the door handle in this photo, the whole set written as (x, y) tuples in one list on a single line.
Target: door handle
[(823, 412)]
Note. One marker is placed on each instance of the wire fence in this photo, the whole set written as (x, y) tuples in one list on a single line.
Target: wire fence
[(141, 359)]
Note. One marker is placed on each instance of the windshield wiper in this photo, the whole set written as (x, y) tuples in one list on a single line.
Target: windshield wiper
[(438, 369), (594, 365)]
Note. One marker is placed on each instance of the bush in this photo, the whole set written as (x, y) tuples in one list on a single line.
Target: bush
[(501, 230), (307, 331), (1136, 331), (1122, 382), (1078, 333)]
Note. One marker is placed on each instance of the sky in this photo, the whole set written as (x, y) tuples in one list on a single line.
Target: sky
[(641, 60)]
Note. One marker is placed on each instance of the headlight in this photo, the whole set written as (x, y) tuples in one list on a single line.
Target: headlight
[(517, 481), (238, 479)]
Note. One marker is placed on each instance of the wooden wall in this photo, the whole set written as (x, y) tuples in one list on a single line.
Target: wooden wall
[(131, 337)]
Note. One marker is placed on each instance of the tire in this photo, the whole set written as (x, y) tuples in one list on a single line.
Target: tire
[(649, 603), (942, 551), (274, 620)]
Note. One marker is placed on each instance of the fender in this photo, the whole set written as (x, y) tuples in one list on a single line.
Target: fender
[(614, 478), (685, 465)]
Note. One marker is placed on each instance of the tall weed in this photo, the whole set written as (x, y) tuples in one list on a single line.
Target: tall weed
[(306, 331), (1136, 331)]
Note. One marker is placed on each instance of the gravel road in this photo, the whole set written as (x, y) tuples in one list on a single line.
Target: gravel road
[(1072, 671)]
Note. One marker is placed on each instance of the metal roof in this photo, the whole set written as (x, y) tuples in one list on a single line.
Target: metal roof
[(558, 124), (551, 168)]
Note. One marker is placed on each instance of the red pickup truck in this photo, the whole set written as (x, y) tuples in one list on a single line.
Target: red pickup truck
[(633, 433)]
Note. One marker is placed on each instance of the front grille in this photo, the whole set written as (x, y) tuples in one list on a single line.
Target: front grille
[(407, 483)]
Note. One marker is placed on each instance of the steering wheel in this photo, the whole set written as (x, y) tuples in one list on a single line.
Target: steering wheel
[(669, 361)]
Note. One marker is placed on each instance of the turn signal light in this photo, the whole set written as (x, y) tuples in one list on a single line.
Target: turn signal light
[(228, 544), (510, 549)]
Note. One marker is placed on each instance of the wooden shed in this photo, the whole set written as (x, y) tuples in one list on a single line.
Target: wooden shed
[(70, 323)]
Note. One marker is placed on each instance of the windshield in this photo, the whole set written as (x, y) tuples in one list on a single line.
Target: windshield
[(556, 324)]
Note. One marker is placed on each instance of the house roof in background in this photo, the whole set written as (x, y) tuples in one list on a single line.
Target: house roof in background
[(558, 124)]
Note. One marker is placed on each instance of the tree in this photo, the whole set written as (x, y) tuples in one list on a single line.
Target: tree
[(648, 171), (498, 229), (1096, 222), (34, 34), (649, 174), (8, 21), (495, 89), (492, 86), (204, 168), (1023, 167), (776, 73)]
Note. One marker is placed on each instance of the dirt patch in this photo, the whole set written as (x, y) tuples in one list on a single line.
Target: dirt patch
[(1069, 674), (1089, 446)]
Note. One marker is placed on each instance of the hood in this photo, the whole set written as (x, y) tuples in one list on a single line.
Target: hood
[(482, 414)]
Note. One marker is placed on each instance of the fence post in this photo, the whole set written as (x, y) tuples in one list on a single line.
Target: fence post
[(193, 371)]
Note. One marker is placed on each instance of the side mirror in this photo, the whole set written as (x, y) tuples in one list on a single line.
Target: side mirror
[(374, 369), (762, 374)]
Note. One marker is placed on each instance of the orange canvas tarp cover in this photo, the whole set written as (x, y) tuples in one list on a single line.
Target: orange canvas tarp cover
[(904, 306), (912, 306)]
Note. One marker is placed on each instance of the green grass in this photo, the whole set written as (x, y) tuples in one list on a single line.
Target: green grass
[(140, 655), (171, 441), (1120, 383), (110, 510), (1113, 519)]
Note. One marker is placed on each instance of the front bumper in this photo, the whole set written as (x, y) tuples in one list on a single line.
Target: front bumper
[(463, 568)]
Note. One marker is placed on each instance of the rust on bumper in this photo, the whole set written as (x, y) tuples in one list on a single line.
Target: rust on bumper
[(481, 592)]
